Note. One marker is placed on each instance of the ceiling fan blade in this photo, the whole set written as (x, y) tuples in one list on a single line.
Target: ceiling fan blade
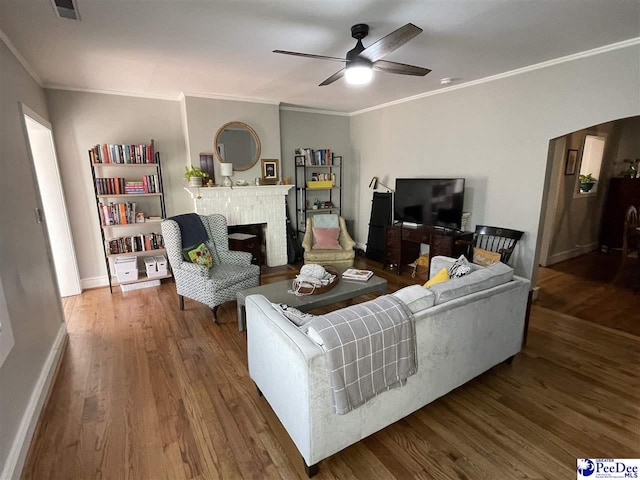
[(309, 55), (401, 68), (336, 76), (388, 44)]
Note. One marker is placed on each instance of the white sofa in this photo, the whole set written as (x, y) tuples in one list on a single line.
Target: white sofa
[(457, 340)]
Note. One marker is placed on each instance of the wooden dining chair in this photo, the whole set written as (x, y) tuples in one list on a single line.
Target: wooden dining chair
[(494, 239), (630, 240)]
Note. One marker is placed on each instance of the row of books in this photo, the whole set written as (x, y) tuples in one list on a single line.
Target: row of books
[(117, 213), (136, 243), (309, 157), (120, 186), (122, 154)]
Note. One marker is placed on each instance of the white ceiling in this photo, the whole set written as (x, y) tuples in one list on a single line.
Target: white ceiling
[(223, 47)]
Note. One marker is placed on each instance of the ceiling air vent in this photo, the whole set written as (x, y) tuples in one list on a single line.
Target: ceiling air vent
[(66, 9)]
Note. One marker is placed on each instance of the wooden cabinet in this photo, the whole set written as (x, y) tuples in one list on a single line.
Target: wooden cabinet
[(622, 193), (402, 243)]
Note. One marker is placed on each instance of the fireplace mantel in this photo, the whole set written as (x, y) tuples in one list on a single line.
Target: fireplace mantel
[(249, 205)]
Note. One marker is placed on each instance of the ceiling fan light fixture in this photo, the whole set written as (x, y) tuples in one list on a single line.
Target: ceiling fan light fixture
[(358, 73)]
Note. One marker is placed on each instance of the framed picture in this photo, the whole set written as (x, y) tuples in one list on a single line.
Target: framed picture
[(270, 173), (572, 160)]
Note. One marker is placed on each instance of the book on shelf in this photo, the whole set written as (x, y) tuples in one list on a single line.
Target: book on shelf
[(357, 274), (310, 157), (122, 154), (134, 243)]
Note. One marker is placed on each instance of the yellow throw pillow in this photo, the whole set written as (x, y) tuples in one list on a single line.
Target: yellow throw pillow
[(201, 256), (485, 257), (441, 276)]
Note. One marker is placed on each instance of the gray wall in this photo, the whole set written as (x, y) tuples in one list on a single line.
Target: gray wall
[(204, 116), (496, 135), (81, 120), (317, 130), (27, 274), (577, 218)]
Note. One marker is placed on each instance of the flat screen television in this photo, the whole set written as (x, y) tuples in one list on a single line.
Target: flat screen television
[(429, 201)]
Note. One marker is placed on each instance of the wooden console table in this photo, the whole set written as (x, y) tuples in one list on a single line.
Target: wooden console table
[(402, 243)]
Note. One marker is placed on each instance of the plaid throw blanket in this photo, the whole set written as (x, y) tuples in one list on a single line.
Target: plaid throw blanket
[(370, 348)]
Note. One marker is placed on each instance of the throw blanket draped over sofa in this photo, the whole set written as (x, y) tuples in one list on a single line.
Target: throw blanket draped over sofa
[(370, 348)]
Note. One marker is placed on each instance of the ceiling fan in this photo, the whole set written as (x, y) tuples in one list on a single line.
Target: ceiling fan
[(361, 61)]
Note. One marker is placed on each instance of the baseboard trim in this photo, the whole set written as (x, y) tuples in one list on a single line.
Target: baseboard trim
[(574, 252), (94, 282), (22, 441)]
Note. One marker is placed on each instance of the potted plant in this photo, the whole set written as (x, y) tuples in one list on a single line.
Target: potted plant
[(586, 182), (194, 175)]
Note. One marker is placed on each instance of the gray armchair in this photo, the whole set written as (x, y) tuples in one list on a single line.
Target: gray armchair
[(231, 271)]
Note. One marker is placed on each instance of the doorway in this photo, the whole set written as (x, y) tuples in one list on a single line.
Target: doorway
[(54, 210)]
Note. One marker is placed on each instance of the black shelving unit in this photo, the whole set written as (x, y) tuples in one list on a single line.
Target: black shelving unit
[(330, 197), (133, 228)]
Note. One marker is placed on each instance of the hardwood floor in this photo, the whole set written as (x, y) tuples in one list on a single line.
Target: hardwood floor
[(147, 391), (584, 287)]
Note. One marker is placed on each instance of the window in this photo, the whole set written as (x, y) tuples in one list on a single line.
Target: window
[(591, 165)]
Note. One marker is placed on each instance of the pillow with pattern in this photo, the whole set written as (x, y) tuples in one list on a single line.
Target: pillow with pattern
[(293, 314), (460, 267), (200, 255)]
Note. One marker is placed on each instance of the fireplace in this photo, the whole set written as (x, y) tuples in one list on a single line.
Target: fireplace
[(250, 205)]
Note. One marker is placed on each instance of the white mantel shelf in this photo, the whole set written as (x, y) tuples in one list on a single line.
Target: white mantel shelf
[(249, 205)]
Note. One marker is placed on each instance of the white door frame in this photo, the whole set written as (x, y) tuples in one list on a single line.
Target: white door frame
[(72, 275)]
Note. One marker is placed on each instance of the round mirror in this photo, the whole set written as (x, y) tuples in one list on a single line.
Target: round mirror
[(237, 143)]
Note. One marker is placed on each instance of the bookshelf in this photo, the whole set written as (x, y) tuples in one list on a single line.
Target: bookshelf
[(127, 182), (318, 182)]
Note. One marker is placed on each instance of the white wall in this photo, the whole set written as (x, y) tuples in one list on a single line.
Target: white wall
[(81, 120), (26, 270), (496, 135), (205, 116)]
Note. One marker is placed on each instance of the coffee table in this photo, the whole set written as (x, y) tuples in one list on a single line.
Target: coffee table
[(277, 293)]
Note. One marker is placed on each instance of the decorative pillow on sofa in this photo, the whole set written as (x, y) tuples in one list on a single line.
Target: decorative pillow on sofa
[(199, 255), (478, 280), (441, 276), (296, 317), (460, 267), (415, 297), (485, 257), (326, 238)]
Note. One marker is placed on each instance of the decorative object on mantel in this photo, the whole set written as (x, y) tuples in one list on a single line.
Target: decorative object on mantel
[(270, 173), (194, 175), (226, 170), (206, 164), (237, 143)]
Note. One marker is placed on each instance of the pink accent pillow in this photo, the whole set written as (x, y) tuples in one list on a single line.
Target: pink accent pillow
[(326, 238)]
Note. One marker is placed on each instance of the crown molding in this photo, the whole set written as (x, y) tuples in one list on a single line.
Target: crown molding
[(519, 71), (313, 110), (229, 98), (23, 61), (113, 92)]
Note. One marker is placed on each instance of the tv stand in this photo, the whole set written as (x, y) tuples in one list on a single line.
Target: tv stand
[(402, 243)]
